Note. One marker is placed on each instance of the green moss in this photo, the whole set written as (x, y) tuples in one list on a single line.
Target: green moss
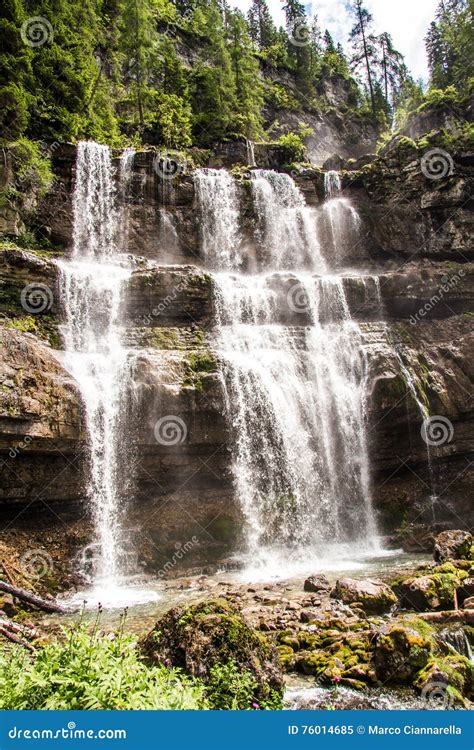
[(199, 365)]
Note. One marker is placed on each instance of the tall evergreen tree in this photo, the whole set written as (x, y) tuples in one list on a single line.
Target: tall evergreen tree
[(363, 43), (262, 30), (248, 86), (391, 66)]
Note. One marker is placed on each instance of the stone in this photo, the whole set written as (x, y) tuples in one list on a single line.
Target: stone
[(317, 582), (466, 590), (469, 603), (455, 544), (211, 633), (373, 596), (401, 650)]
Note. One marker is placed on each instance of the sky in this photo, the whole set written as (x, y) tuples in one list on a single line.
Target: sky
[(406, 20)]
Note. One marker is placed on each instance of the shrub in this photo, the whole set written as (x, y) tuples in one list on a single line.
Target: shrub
[(92, 671)]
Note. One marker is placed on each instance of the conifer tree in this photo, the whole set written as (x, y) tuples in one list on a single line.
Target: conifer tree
[(363, 43)]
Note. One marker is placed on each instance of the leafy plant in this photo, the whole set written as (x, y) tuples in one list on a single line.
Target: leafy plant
[(92, 671)]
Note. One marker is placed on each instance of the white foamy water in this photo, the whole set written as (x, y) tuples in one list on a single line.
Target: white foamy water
[(92, 284), (294, 375)]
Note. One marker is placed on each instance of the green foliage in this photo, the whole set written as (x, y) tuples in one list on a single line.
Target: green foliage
[(294, 146), (92, 671), (229, 688), (31, 167)]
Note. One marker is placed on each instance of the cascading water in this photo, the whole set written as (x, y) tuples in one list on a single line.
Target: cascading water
[(220, 225), (286, 228), (339, 221), (294, 377), (92, 284)]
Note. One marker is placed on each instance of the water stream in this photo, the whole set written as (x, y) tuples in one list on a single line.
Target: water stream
[(295, 390), (92, 285)]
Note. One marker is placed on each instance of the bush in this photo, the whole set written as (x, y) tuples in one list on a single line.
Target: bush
[(92, 671), (230, 688), (294, 146)]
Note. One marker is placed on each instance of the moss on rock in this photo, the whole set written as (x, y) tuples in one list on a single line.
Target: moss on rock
[(199, 637)]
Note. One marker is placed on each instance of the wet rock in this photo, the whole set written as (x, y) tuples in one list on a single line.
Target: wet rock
[(454, 544), (317, 582), (211, 633), (401, 650), (466, 590), (469, 603), (426, 592), (373, 596), (446, 679)]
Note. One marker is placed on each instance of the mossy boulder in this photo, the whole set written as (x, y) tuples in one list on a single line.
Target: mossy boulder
[(452, 545), (450, 677), (402, 650), (429, 592), (374, 596), (199, 637)]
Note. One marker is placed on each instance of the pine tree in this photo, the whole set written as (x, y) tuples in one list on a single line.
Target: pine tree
[(262, 30), (248, 86), (391, 65), (363, 43)]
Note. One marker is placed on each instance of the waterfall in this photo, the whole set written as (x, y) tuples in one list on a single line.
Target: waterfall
[(250, 153), (92, 284), (339, 221), (294, 377), (332, 183), (286, 230), (220, 225)]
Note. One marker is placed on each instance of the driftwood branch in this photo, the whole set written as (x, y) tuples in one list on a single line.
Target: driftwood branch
[(34, 600), (465, 616), (26, 630), (17, 639)]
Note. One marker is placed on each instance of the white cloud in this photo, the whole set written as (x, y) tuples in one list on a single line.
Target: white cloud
[(406, 20)]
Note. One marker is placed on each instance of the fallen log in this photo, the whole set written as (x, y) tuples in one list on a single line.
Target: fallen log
[(34, 600), (465, 616), (28, 631), (15, 638)]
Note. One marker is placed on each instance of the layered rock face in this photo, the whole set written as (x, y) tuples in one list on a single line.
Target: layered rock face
[(414, 245)]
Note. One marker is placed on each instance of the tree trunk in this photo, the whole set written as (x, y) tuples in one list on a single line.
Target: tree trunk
[(36, 601)]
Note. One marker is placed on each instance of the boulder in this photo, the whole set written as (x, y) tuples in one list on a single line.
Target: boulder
[(426, 592), (465, 590), (374, 596), (317, 582), (401, 650), (453, 545), (214, 634)]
